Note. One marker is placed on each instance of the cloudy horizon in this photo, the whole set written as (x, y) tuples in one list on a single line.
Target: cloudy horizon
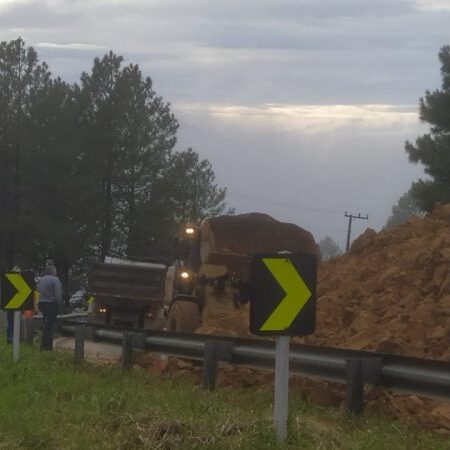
[(303, 107)]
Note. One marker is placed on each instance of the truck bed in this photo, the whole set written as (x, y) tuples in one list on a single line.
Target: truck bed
[(122, 284)]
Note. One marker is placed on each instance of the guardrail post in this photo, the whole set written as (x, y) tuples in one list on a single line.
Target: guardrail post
[(210, 357), (372, 370), (355, 386), (127, 351), (89, 332), (139, 341), (80, 334), (225, 351)]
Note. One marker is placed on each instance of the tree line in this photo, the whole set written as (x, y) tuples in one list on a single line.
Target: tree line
[(89, 169)]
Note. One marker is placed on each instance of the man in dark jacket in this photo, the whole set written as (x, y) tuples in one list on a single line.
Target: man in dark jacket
[(50, 296)]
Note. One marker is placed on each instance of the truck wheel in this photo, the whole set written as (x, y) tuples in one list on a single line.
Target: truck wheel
[(184, 317)]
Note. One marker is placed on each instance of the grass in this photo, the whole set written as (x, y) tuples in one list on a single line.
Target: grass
[(46, 403)]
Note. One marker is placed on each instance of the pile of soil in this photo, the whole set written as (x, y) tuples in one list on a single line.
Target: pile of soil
[(390, 293)]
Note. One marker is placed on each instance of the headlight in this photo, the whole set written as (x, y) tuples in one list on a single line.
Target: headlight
[(189, 231), (185, 275), (102, 310)]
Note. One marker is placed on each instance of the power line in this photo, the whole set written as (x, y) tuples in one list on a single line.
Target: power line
[(286, 203), (308, 208)]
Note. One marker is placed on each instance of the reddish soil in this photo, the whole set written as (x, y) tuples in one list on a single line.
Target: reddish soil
[(391, 293)]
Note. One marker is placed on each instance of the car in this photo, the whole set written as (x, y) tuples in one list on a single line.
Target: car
[(78, 300)]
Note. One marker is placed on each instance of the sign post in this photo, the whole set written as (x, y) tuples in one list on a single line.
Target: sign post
[(17, 295), (280, 405), (16, 335), (283, 304)]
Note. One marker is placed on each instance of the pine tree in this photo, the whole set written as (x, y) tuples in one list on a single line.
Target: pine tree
[(195, 192), (100, 117), (146, 138), (58, 188), (130, 132), (22, 80), (433, 149)]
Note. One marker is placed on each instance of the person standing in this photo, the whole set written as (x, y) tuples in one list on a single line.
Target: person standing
[(50, 297)]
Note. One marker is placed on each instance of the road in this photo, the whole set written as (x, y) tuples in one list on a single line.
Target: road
[(98, 352)]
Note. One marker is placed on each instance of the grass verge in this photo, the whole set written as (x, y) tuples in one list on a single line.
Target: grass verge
[(47, 403)]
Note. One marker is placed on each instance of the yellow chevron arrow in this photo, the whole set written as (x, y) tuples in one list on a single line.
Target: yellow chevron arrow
[(23, 291), (297, 294)]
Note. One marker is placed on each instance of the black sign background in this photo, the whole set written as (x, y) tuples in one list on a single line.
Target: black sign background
[(266, 294), (8, 291)]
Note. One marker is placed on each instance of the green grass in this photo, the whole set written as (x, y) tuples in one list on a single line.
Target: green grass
[(45, 403)]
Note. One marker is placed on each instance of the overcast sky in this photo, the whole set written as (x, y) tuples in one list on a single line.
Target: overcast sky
[(302, 106)]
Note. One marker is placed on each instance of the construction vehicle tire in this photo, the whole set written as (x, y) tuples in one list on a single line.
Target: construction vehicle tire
[(184, 317)]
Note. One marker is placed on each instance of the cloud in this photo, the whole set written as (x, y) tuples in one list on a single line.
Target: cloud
[(259, 51), (433, 5), (309, 119), (256, 9), (72, 46), (5, 4), (305, 163)]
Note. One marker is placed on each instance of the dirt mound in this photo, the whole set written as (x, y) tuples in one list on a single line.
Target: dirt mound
[(232, 323), (390, 293)]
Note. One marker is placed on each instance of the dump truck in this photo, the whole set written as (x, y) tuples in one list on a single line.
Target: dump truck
[(209, 278), (127, 293), (135, 294)]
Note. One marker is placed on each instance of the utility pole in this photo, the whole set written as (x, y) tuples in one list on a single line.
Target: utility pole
[(349, 232)]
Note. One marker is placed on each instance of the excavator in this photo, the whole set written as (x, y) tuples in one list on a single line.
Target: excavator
[(209, 279), (218, 262)]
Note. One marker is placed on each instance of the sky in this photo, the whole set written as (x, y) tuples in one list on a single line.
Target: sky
[(302, 106)]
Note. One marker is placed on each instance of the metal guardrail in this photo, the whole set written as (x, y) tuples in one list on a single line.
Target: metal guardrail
[(398, 373), (64, 317)]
